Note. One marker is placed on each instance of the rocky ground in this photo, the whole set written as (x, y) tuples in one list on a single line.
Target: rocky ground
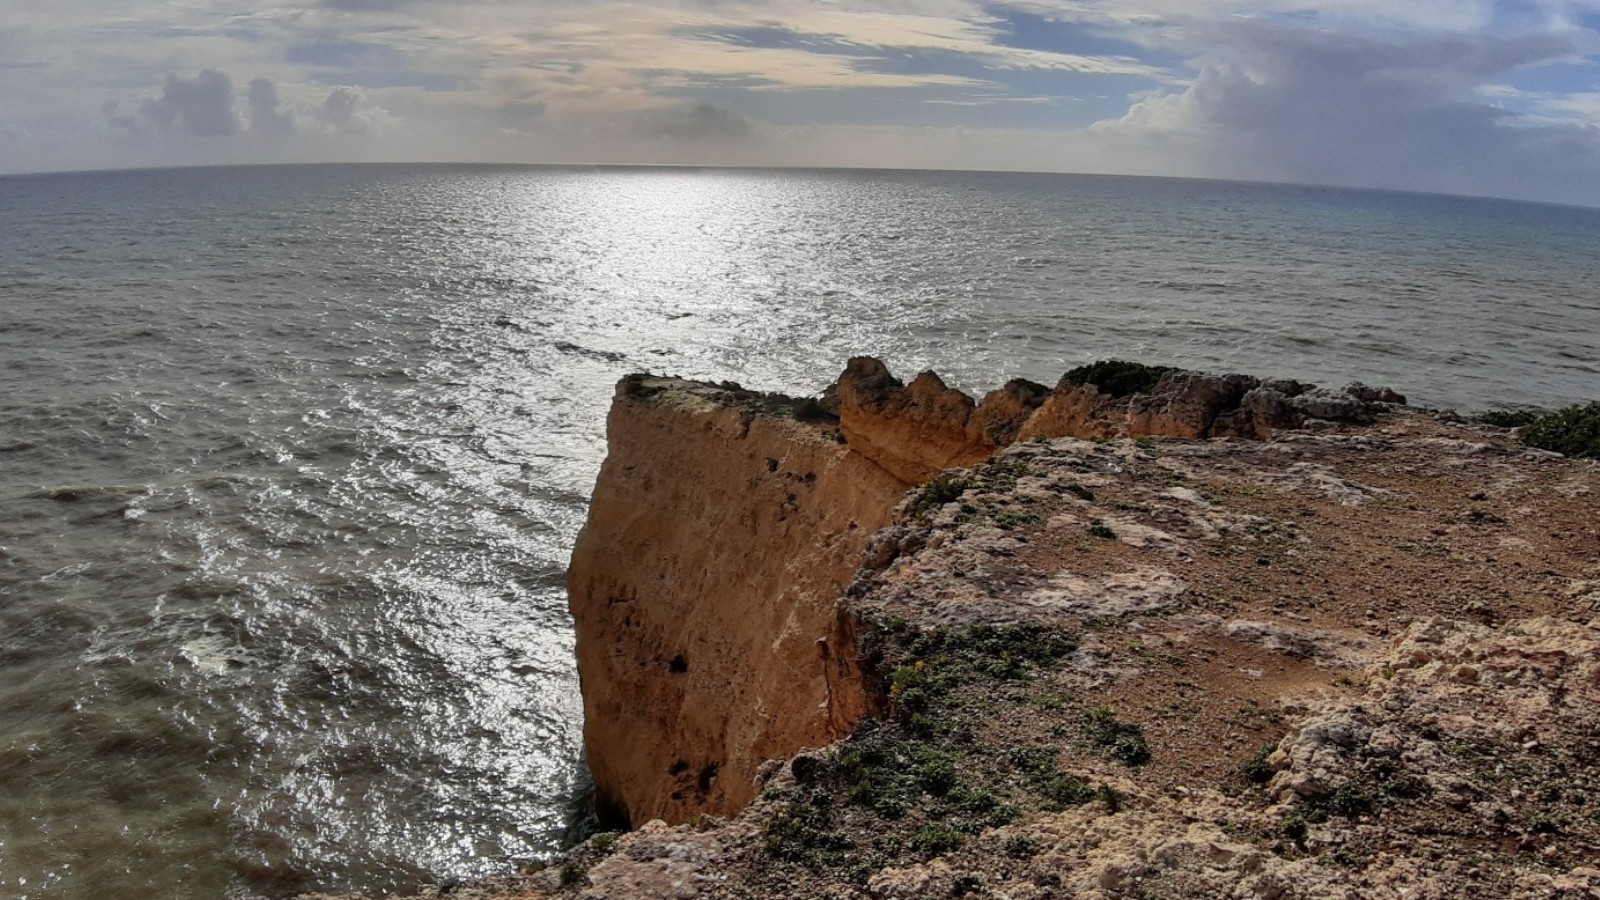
[(1357, 660)]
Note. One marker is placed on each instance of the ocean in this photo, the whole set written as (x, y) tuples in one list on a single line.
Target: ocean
[(291, 458)]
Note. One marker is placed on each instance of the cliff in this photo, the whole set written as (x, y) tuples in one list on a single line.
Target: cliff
[(1156, 634), (721, 533), (726, 524)]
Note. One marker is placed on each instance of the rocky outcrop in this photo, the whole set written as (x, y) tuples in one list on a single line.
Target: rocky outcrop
[(726, 524), (1195, 406), (1354, 660), (704, 588), (925, 427), (915, 431)]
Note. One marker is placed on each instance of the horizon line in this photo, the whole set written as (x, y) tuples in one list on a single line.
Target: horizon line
[(728, 167)]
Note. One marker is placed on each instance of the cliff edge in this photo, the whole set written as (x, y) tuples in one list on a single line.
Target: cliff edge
[(1146, 633), (722, 531)]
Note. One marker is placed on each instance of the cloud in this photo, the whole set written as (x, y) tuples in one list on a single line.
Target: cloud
[(520, 115), (700, 123), (203, 105), (1308, 105), (346, 111), (364, 5), (117, 119), (265, 115)]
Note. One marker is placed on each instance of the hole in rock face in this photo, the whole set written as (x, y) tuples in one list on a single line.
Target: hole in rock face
[(772, 464), (708, 777), (679, 665), (678, 768)]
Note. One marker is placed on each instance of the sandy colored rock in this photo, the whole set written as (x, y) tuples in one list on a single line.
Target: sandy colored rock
[(914, 431), (704, 591)]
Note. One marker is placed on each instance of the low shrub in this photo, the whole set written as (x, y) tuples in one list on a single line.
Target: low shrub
[(1574, 431), (1117, 377)]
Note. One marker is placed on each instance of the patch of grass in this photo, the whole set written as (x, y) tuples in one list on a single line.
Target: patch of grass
[(1296, 829), (1510, 418), (1022, 846), (932, 663), (939, 491), (934, 840), (1002, 474), (1101, 530), (1574, 431), (1079, 491), (1122, 742), (804, 832), (1256, 768), (891, 776), (1110, 796), (1118, 378), (1349, 801), (922, 783), (1011, 519), (1042, 776)]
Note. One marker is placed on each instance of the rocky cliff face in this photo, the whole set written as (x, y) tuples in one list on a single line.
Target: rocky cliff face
[(725, 526), (721, 534), (1355, 656), (1356, 660)]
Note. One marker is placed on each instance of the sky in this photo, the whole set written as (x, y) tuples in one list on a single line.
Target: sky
[(1456, 96)]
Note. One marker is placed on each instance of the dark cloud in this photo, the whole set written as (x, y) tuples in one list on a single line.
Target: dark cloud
[(700, 123), (203, 105), (1301, 105), (266, 117)]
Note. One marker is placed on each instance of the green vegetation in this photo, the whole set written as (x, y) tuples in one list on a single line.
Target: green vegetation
[(1059, 789), (1122, 742), (1573, 431), (1022, 846), (933, 663), (1510, 418), (924, 783), (1101, 530), (1011, 519), (933, 840), (804, 832), (1117, 377), (939, 491), (1002, 474), (1256, 769)]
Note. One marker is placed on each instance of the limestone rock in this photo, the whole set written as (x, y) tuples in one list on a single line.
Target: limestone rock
[(709, 637)]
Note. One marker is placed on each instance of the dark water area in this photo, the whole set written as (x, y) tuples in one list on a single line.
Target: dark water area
[(291, 459)]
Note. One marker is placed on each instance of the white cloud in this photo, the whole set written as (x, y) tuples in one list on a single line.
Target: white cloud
[(1298, 104), (202, 105)]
